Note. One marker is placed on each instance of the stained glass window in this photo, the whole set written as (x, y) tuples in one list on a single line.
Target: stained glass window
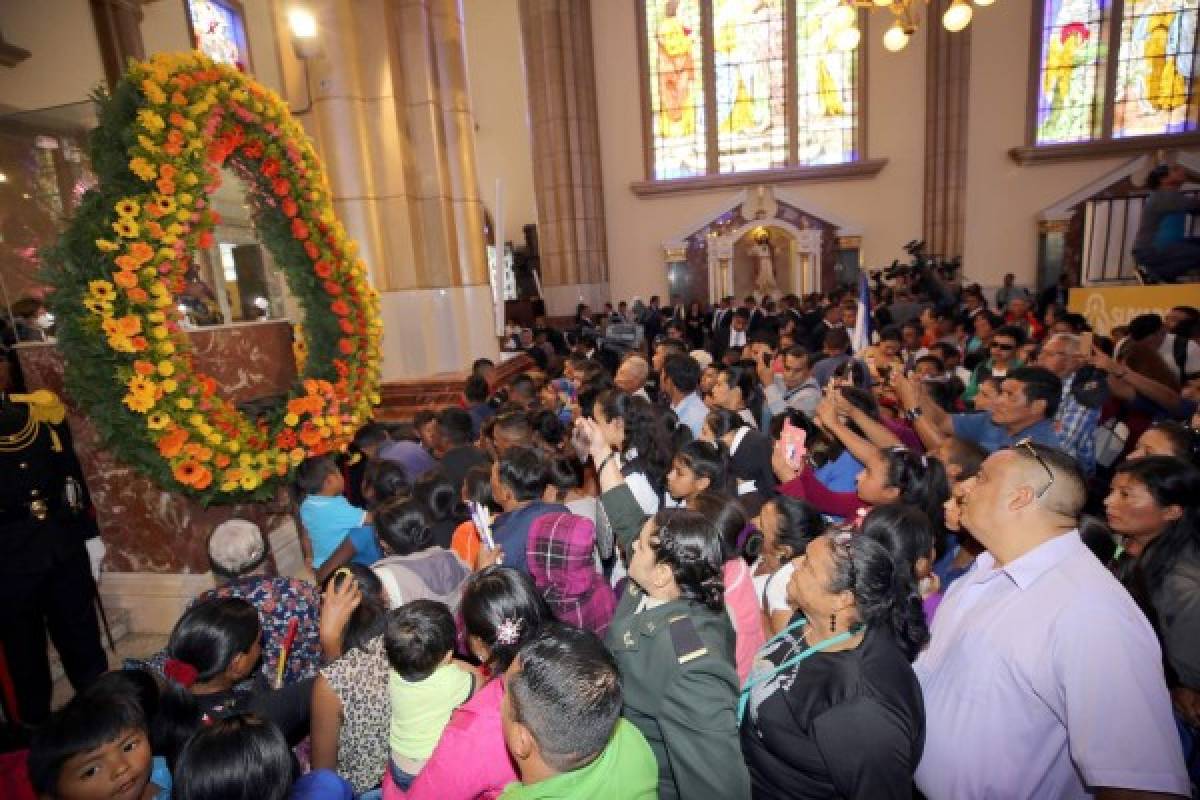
[(1108, 75), (826, 88), (750, 60), (1072, 73), (675, 58), (218, 31), (1154, 91), (739, 86)]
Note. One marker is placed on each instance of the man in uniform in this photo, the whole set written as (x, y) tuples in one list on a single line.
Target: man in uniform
[(45, 576)]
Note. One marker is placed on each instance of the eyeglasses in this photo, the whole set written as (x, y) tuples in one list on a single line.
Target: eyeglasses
[(1026, 445)]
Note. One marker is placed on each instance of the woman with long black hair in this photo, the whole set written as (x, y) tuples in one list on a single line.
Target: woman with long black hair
[(1152, 506), (833, 708)]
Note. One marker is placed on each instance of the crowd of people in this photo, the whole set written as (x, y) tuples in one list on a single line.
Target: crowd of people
[(741, 560)]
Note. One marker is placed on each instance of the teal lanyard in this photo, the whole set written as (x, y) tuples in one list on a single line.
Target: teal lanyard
[(756, 680)]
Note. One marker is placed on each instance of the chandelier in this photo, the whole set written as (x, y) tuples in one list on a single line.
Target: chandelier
[(843, 20)]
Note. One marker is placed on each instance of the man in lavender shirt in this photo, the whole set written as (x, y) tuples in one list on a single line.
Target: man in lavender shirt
[(1042, 679)]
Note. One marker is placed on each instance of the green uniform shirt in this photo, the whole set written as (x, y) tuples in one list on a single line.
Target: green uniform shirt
[(626, 770), (681, 688)]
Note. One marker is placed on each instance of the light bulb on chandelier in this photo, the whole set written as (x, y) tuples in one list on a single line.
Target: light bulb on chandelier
[(957, 16), (883, 3), (982, 3), (896, 38), (847, 39), (842, 17)]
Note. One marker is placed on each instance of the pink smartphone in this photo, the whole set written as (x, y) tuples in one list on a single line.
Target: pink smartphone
[(793, 440)]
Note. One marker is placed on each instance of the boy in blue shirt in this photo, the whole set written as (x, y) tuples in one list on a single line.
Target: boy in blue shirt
[(327, 515)]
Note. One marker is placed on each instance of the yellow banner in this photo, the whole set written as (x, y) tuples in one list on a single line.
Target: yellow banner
[(1107, 307)]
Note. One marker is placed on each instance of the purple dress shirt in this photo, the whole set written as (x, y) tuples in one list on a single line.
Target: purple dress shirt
[(1043, 679)]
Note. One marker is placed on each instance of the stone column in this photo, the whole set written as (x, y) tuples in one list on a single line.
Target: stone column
[(391, 117), (947, 82), (119, 33), (560, 75)]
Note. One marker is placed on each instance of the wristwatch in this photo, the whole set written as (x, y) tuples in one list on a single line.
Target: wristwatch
[(914, 414)]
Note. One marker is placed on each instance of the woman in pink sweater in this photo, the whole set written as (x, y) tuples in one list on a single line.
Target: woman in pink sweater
[(501, 610)]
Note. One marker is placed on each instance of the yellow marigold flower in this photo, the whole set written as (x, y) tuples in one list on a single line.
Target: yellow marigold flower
[(169, 386), (189, 126), (185, 403), (166, 203), (156, 317), (149, 273), (128, 207), (246, 460), (101, 290), (96, 306), (166, 348), (153, 92), (196, 420), (166, 369), (229, 486), (157, 421), (140, 403), (215, 439), (249, 481), (174, 228), (106, 246), (234, 446), (190, 178), (150, 120), (143, 168), (129, 325), (160, 332), (126, 227), (147, 144), (290, 419)]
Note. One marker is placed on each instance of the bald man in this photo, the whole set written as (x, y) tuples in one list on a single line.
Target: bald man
[(631, 375), (1043, 678)]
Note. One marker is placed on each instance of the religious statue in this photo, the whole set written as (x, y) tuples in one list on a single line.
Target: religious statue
[(764, 278)]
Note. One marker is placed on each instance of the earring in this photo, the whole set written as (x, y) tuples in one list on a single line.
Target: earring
[(833, 622)]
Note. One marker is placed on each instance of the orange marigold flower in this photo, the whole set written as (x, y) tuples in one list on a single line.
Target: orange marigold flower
[(165, 185), (203, 479), (221, 461), (172, 443), (143, 367), (139, 343), (309, 436), (129, 325), (186, 472), (126, 280), (346, 346), (137, 295)]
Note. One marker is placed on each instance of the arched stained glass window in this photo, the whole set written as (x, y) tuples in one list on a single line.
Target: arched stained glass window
[(826, 89), (750, 60), (1155, 69), (735, 86), (1115, 70), (219, 31), (674, 54), (1072, 74)]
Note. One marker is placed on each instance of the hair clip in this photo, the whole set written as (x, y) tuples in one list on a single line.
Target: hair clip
[(181, 672), (508, 632)]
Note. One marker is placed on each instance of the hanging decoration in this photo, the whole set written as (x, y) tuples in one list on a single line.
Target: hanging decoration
[(165, 133)]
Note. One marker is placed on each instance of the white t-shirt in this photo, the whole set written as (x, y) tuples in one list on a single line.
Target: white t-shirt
[(772, 589)]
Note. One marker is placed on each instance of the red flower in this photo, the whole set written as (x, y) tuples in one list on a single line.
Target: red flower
[(346, 346), (281, 187), (252, 150), (340, 308), (299, 229), (323, 269), (205, 240), (289, 207), (270, 167), (347, 328), (332, 288), (312, 250)]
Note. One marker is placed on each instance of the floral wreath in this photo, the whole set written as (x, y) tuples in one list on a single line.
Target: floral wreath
[(165, 131)]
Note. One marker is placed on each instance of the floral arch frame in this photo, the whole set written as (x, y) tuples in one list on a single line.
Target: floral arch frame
[(165, 131)]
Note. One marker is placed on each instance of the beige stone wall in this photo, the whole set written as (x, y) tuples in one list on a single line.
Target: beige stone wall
[(65, 65), (500, 105)]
